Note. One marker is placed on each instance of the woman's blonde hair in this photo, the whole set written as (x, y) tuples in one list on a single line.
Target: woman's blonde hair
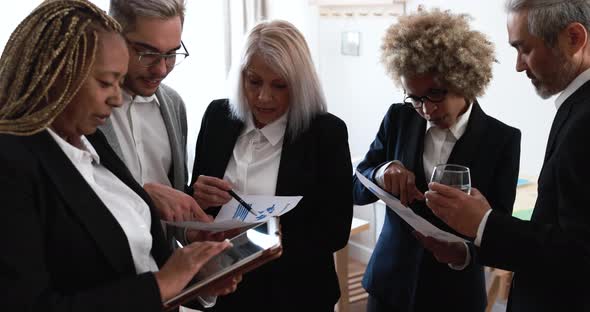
[(442, 44), (45, 62), (284, 48)]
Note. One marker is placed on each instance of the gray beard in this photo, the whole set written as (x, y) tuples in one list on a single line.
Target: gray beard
[(564, 75)]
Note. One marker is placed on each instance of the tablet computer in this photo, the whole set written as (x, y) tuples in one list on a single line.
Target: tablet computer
[(250, 250)]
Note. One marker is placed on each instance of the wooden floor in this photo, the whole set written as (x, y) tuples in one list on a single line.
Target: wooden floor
[(358, 296)]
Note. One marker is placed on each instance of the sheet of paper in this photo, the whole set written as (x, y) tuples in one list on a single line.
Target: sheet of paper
[(233, 215), (415, 221)]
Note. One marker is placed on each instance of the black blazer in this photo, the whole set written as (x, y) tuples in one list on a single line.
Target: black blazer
[(401, 273), (62, 248), (550, 255), (315, 165)]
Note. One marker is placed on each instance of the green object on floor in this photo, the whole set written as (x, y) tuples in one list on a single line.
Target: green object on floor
[(524, 214)]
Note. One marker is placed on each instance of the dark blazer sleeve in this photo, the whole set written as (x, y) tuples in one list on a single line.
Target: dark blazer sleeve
[(557, 237), (26, 282), (334, 203), (375, 157), (502, 188)]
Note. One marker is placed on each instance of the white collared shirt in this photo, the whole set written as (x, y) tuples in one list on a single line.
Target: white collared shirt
[(143, 138), (439, 143), (563, 96), (572, 87), (254, 165), (130, 210)]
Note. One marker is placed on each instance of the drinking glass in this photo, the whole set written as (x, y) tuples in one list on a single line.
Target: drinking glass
[(456, 176)]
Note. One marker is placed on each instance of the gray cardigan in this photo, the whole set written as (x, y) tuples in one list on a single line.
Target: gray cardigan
[(174, 116)]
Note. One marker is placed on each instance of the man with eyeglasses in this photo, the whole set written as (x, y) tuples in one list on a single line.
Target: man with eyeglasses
[(442, 66), (149, 131)]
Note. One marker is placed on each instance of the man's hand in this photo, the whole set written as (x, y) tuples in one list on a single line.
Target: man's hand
[(444, 252), (211, 191), (461, 211), (401, 182), (174, 205)]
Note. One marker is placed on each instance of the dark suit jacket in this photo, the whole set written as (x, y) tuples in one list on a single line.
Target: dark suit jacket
[(62, 248), (315, 165), (401, 273), (550, 255)]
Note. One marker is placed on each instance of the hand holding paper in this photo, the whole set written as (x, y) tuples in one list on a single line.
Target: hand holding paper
[(234, 215), (415, 221)]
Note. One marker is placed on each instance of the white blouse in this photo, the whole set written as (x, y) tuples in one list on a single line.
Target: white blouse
[(129, 209), (254, 166)]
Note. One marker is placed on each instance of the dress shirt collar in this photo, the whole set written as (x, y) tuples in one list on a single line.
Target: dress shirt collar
[(572, 87), (458, 129), (128, 98), (75, 154), (273, 132)]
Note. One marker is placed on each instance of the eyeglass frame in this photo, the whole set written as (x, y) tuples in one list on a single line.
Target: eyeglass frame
[(165, 56), (423, 98)]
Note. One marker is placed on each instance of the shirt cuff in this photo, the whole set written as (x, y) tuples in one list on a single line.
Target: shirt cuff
[(381, 172), (207, 301), (482, 226), (465, 263)]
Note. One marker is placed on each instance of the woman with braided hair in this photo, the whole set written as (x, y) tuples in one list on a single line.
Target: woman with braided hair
[(78, 233)]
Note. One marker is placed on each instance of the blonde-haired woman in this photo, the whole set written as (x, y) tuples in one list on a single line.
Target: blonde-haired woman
[(274, 137), (442, 66), (78, 233)]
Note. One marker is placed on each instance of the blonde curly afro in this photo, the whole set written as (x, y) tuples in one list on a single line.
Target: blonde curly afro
[(442, 44)]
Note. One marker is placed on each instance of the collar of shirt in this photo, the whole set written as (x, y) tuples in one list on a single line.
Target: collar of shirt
[(572, 87), (273, 132), (458, 129), (75, 154), (127, 98)]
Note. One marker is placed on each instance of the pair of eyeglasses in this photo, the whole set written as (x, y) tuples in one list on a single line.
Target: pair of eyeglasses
[(434, 96), (149, 59)]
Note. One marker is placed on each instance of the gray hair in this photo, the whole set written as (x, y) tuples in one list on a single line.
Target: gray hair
[(284, 49), (126, 11), (546, 18)]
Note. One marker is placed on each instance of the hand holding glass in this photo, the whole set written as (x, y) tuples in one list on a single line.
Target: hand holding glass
[(456, 176)]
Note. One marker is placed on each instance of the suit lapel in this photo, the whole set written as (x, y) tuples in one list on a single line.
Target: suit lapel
[(562, 115), (82, 202), (228, 135), (293, 153), (412, 147), (468, 143)]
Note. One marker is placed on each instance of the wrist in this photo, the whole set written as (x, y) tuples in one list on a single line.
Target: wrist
[(165, 291)]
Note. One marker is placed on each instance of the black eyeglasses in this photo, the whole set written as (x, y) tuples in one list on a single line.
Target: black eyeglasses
[(434, 96), (149, 59)]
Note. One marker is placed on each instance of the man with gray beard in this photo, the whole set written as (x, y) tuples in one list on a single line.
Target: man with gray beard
[(549, 255)]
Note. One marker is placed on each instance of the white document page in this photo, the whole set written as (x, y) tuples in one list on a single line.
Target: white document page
[(233, 215), (415, 221)]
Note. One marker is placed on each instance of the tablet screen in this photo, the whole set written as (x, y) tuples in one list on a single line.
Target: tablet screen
[(247, 247)]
